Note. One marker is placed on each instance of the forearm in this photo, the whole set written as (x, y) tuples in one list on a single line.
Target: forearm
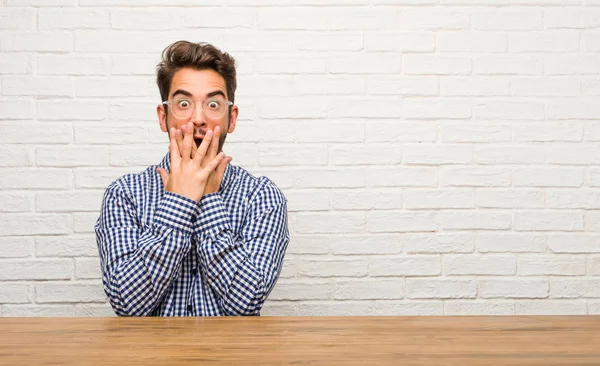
[(139, 268)]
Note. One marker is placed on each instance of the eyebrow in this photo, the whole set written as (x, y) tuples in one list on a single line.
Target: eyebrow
[(188, 94)]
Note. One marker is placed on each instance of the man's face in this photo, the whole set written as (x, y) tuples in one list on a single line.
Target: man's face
[(197, 86)]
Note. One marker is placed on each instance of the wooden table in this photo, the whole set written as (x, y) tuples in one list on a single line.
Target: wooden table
[(507, 340)]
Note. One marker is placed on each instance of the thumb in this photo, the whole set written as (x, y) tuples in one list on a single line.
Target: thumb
[(164, 175)]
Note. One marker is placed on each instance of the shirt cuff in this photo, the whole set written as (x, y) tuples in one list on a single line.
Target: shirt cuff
[(176, 212), (212, 218)]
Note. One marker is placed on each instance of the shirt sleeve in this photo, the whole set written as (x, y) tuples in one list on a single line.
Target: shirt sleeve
[(139, 262), (243, 270)]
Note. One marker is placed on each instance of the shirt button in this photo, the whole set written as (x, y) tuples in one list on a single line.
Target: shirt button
[(189, 307)]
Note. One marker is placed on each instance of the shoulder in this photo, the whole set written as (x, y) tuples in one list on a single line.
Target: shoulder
[(132, 184), (260, 190)]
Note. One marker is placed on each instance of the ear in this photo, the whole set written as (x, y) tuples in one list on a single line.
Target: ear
[(233, 118), (162, 117)]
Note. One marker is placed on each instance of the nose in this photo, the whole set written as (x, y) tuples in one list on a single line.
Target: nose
[(197, 117)]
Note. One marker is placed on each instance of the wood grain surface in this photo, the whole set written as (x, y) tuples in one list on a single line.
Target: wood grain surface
[(501, 340)]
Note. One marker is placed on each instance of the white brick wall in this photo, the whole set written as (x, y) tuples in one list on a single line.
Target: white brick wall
[(439, 156)]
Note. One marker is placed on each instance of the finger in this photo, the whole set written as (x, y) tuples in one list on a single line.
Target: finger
[(164, 175), (201, 152), (188, 140), (179, 139), (215, 162), (214, 146), (174, 149)]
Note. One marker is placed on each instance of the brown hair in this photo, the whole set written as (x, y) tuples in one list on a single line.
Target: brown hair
[(200, 56)]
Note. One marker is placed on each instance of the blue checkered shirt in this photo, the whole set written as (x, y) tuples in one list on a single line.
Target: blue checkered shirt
[(163, 254)]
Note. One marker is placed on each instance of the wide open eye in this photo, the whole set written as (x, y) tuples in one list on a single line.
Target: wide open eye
[(183, 104), (214, 104)]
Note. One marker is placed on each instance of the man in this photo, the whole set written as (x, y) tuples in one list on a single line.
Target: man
[(195, 235)]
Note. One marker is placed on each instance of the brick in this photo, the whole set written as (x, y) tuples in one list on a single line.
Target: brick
[(108, 135), (510, 198), (415, 265), (556, 265), (574, 288), (439, 243), (370, 107), (465, 132), (308, 200), (434, 19), (479, 265), (382, 199), (275, 308), (305, 290), (572, 64), (17, 19), (69, 292), (303, 64), (373, 288), (507, 19), (399, 41), (593, 267), (550, 307), (435, 65), (41, 3), (487, 42), (104, 41), (333, 308), (475, 220), (302, 155), (474, 177), (508, 65), (71, 65), (277, 108), (87, 268), (16, 202), (382, 131), (115, 86), (142, 156), (513, 289), (16, 63), (136, 111), (387, 63), (439, 198), (84, 222), (547, 177), (478, 307), (580, 154), (16, 247), (474, 86), (329, 178), (363, 154), (566, 198), (35, 224), (37, 41), (69, 201), (71, 156), (590, 42), (37, 310), (548, 221), (440, 289), (594, 177), (436, 108), (592, 131), (509, 110), (366, 244), (51, 86), (402, 177), (510, 243), (264, 85), (245, 40), (337, 222), (509, 154), (543, 41), (71, 109), (76, 18), (541, 132), (399, 85), (403, 221), (332, 267), (552, 87), (14, 293), (124, 64), (13, 156), (328, 18), (347, 41), (66, 246), (35, 178), (577, 18), (328, 85), (430, 154), (17, 109), (54, 269), (50, 133), (563, 243)]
